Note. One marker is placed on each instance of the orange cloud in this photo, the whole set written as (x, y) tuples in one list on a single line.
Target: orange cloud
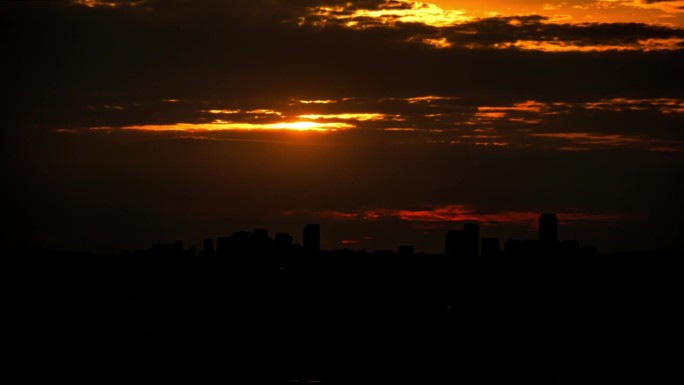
[(350, 116), (527, 106), (665, 105), (439, 42), (646, 45), (583, 138), (326, 101), (108, 4), (387, 15), (452, 22), (229, 126)]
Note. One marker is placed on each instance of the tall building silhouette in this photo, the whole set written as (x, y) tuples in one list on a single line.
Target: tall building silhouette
[(513, 247), (223, 246), (548, 228), (472, 239), (208, 247), (283, 241), (312, 238), (405, 250), (260, 238), (464, 242), (490, 247)]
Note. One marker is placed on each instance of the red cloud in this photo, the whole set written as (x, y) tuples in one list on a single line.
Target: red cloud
[(461, 213)]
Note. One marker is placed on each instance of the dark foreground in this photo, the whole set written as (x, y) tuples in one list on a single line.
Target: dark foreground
[(101, 320)]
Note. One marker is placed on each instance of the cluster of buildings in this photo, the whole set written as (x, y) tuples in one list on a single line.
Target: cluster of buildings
[(458, 243), (257, 242), (467, 242)]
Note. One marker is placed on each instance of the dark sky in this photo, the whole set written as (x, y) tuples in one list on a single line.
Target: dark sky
[(387, 122)]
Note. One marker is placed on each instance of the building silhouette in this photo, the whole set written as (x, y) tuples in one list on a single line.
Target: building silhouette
[(405, 250), (472, 239), (464, 242), (490, 247), (260, 236), (312, 238), (548, 228), (513, 247), (208, 248), (283, 241), (569, 247)]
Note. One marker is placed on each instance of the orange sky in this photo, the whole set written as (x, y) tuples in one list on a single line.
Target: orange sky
[(664, 16), (576, 10)]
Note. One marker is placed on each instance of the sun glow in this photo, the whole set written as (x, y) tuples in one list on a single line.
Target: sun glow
[(229, 126), (389, 14)]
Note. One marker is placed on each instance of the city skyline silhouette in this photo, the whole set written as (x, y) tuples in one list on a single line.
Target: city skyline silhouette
[(457, 243), (250, 308)]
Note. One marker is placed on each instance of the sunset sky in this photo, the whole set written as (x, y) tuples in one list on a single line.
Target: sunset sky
[(128, 123)]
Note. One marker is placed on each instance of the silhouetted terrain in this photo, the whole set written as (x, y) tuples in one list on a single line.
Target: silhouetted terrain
[(345, 318)]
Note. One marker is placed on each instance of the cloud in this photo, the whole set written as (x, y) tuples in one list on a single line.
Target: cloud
[(428, 24), (667, 6), (589, 125), (388, 14), (109, 3), (462, 213)]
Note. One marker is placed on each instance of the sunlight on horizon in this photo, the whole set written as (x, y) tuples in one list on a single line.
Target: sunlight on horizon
[(228, 126)]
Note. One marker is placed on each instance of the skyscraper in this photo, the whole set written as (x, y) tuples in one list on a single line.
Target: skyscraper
[(472, 239), (490, 247), (283, 241), (312, 238), (208, 247), (548, 228), (464, 242), (405, 250)]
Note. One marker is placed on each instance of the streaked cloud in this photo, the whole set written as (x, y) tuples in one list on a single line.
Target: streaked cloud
[(582, 141), (223, 112), (429, 99), (664, 105), (352, 116), (583, 138), (228, 126), (438, 119), (463, 213), (109, 3), (327, 101), (645, 45)]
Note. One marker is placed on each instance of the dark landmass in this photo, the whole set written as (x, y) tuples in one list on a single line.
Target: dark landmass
[(345, 318), (251, 309)]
